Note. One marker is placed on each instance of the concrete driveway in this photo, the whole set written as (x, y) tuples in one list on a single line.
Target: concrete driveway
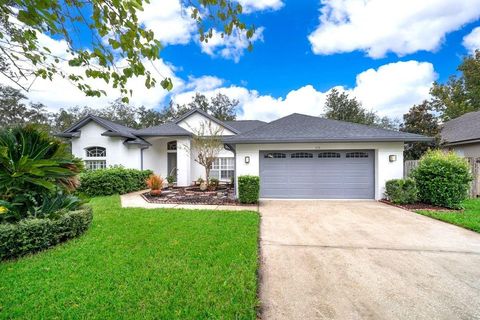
[(365, 260)]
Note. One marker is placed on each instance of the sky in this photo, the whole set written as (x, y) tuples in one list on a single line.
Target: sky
[(386, 53)]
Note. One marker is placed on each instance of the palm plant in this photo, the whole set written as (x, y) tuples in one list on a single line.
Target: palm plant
[(33, 167)]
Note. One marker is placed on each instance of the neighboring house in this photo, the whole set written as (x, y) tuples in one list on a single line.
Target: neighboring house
[(462, 135), (297, 156)]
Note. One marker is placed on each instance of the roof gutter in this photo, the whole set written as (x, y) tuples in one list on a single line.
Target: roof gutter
[(263, 141)]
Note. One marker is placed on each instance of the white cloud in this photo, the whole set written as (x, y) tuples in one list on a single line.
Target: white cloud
[(380, 26), (170, 22), (472, 40), (393, 88), (258, 5), (203, 83), (390, 90), (230, 47)]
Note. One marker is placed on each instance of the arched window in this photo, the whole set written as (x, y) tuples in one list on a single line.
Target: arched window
[(299, 155), (329, 155), (357, 154), (275, 155), (172, 145), (96, 152)]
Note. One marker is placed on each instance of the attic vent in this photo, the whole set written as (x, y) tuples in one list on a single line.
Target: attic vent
[(329, 155), (357, 155), (299, 155), (275, 155)]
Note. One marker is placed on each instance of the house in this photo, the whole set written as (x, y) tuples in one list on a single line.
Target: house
[(462, 135), (297, 156)]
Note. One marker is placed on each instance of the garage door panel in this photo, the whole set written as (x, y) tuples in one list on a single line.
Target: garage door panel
[(318, 177)]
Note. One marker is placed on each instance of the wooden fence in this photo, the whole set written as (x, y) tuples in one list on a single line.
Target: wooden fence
[(409, 165)]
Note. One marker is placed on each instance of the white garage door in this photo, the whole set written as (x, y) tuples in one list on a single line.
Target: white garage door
[(344, 174)]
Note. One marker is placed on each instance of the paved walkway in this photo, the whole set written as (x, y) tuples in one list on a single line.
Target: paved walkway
[(135, 200), (365, 260)]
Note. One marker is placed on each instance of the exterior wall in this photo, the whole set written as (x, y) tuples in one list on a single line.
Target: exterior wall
[(117, 152), (155, 157), (193, 124), (384, 169), (470, 150)]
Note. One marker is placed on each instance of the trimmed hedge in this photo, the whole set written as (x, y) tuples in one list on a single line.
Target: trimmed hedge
[(401, 191), (443, 179), (115, 180), (32, 235), (248, 189)]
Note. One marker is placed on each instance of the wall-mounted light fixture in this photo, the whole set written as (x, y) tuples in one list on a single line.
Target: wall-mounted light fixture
[(392, 158), (247, 159)]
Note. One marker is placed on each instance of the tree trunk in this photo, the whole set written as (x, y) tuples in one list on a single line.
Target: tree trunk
[(207, 174)]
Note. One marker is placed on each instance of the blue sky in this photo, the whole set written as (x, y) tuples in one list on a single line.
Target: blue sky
[(385, 52)]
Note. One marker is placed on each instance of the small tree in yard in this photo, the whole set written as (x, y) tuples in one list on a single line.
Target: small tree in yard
[(207, 143)]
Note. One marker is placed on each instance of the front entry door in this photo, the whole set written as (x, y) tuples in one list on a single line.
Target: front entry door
[(172, 164)]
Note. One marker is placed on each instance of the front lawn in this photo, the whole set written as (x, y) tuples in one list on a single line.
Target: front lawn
[(469, 218), (139, 263)]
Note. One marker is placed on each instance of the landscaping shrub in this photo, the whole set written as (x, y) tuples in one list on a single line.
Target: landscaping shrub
[(34, 169), (442, 179), (248, 189), (401, 191), (115, 180), (31, 235)]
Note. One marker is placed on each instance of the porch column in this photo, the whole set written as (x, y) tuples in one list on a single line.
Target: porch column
[(183, 162)]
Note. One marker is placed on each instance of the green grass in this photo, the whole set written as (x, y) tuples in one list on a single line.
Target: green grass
[(469, 218), (141, 264)]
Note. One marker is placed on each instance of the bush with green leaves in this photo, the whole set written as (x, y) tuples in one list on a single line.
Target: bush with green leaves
[(33, 234), (248, 189), (114, 180), (34, 168), (401, 191), (443, 179)]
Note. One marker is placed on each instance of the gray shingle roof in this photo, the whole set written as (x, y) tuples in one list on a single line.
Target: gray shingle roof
[(302, 128), (463, 128), (166, 129), (113, 129), (244, 125)]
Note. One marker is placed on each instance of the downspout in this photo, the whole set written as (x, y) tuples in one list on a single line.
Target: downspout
[(141, 157)]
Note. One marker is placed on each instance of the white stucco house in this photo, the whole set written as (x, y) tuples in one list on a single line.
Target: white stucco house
[(297, 156)]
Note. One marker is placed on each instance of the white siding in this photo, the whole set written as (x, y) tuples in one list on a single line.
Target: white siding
[(117, 152), (384, 170), (194, 122)]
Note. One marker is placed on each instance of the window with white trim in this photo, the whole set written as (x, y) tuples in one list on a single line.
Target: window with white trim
[(96, 152), (95, 164), (172, 145), (223, 169)]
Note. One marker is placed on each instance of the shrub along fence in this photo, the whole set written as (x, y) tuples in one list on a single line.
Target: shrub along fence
[(474, 163)]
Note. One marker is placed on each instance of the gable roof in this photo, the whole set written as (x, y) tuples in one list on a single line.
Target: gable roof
[(465, 128), (302, 128), (113, 129), (166, 129), (206, 115), (245, 125)]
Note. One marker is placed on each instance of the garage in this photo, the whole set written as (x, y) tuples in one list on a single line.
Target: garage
[(317, 174)]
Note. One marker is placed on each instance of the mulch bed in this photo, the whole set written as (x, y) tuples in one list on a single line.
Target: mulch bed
[(192, 195), (418, 206)]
